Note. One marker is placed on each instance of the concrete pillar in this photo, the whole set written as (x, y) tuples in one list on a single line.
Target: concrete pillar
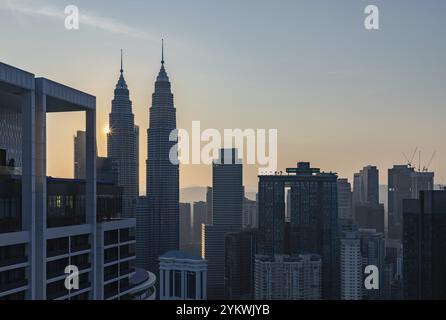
[(198, 285), (90, 197), (28, 109), (183, 284)]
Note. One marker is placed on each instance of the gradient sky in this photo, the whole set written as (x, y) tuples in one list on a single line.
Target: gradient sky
[(340, 96)]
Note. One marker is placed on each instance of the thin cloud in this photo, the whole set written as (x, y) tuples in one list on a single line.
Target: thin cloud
[(87, 19)]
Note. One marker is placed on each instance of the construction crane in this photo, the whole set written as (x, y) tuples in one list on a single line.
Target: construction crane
[(426, 168), (409, 161)]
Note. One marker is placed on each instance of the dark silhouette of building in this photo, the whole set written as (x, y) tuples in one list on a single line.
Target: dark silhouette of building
[(227, 207), (209, 205), (200, 214), (345, 202), (162, 171), (240, 250), (122, 145), (185, 226), (368, 213), (424, 246), (404, 183), (313, 219)]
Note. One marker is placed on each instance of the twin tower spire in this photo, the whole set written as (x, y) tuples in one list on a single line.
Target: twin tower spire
[(162, 57)]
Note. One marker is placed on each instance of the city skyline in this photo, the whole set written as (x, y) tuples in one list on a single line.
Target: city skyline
[(291, 84)]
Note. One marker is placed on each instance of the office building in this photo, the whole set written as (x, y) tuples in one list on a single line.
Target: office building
[(185, 225), (366, 186), (200, 214), (404, 183), (240, 250), (209, 205), (122, 145), (250, 219), (227, 207), (345, 204), (162, 171), (79, 155), (424, 243), (367, 211)]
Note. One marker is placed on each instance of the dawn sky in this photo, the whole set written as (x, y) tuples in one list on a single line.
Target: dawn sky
[(340, 96)]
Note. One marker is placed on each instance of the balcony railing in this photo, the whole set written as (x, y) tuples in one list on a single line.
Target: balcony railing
[(13, 261), (13, 285)]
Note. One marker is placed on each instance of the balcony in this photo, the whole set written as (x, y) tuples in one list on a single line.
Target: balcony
[(13, 285)]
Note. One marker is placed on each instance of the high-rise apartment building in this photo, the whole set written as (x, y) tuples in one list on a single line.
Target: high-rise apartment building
[(313, 219), (285, 277)]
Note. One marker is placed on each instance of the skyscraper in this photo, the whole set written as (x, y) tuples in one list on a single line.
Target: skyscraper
[(240, 250), (162, 172), (122, 145), (424, 246), (313, 219), (227, 205), (185, 226), (79, 155), (366, 186), (345, 206), (200, 213), (367, 211), (404, 183), (209, 205)]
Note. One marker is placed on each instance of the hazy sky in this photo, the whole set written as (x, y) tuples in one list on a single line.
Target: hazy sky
[(340, 96)]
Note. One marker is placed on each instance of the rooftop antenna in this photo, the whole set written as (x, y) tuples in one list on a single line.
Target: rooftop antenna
[(122, 69), (162, 51)]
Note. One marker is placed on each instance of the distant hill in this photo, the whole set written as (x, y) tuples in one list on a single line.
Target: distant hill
[(194, 194)]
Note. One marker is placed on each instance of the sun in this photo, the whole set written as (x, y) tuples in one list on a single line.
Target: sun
[(106, 130)]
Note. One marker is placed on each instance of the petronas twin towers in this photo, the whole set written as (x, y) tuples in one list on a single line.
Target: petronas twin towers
[(158, 213)]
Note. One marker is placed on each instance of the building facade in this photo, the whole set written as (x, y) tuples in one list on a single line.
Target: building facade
[(285, 277), (48, 224), (424, 243), (313, 219), (162, 171), (227, 208), (240, 250), (182, 276)]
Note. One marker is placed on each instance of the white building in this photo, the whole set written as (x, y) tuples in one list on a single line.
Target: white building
[(182, 276), (288, 277), (359, 249), (351, 266)]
